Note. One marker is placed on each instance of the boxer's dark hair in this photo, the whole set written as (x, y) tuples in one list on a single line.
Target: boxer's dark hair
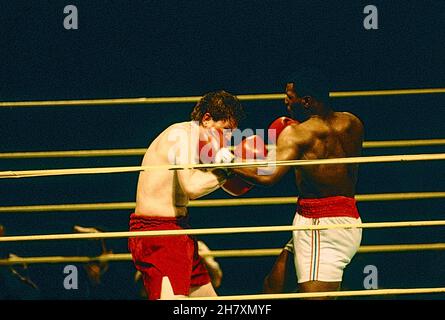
[(221, 105), (311, 81)]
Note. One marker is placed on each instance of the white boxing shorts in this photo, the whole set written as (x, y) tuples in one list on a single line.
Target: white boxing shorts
[(322, 255)]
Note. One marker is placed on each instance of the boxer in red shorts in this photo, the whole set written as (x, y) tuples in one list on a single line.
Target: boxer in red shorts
[(326, 192), (170, 265)]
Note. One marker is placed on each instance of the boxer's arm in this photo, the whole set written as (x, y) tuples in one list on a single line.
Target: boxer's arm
[(198, 183), (289, 147)]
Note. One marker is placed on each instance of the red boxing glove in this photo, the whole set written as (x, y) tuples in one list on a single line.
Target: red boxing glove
[(250, 148), (210, 141), (279, 124)]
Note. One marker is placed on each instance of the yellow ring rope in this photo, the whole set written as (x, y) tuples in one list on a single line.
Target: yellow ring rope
[(231, 230), (155, 100), (193, 99), (238, 253), (353, 293), (363, 249), (215, 202), (141, 151), (74, 153), (368, 93), (103, 170), (403, 143)]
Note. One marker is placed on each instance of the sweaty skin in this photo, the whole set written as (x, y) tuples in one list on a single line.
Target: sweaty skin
[(166, 193), (336, 135)]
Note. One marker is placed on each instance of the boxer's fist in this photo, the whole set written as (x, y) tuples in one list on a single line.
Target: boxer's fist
[(251, 148)]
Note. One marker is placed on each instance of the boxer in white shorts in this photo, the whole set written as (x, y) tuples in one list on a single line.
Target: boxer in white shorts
[(326, 192)]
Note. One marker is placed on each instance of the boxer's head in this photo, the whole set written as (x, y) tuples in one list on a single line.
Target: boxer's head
[(308, 88), (218, 109)]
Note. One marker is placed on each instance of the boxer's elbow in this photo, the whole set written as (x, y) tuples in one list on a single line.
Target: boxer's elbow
[(195, 191), (193, 195), (198, 185)]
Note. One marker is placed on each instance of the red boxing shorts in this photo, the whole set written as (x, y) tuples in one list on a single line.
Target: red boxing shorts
[(173, 256)]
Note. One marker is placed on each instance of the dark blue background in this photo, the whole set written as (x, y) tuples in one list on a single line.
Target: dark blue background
[(180, 48)]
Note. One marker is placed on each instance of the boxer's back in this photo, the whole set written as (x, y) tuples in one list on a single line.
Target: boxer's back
[(337, 136)]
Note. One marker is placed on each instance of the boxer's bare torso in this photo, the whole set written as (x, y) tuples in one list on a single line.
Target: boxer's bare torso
[(338, 135), (166, 193)]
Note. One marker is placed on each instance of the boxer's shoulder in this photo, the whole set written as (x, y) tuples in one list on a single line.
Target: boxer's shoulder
[(297, 135)]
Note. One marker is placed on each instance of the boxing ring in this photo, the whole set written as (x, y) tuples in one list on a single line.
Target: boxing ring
[(269, 201)]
